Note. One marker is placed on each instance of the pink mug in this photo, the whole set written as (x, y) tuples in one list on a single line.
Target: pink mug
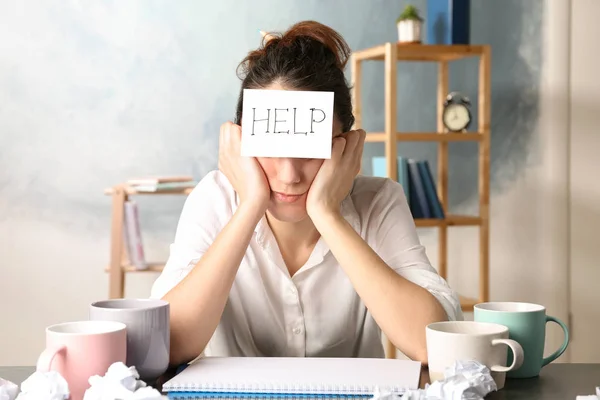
[(79, 350)]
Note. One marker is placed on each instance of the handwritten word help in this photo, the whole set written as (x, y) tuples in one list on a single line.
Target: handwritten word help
[(275, 119), (287, 123)]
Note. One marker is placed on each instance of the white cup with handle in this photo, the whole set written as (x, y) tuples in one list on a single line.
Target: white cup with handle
[(486, 343)]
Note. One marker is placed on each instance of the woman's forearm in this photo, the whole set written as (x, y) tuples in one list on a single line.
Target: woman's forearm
[(198, 301), (401, 308)]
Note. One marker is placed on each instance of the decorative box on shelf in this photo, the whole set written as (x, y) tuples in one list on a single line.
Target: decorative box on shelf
[(447, 22)]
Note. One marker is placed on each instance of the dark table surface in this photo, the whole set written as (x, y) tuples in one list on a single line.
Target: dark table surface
[(557, 381)]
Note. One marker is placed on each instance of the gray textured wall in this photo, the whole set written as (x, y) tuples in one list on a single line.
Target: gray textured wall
[(92, 93)]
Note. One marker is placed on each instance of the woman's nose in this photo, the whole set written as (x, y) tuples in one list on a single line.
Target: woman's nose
[(289, 171)]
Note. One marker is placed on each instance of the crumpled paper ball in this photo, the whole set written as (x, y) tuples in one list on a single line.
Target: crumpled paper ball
[(122, 383), (44, 386), (591, 396), (382, 395), (464, 380), (8, 390)]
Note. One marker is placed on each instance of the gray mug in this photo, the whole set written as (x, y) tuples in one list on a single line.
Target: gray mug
[(148, 331)]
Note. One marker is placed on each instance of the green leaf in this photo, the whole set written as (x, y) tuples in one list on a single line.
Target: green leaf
[(410, 13)]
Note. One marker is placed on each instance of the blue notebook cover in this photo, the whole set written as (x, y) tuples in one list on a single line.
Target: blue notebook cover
[(418, 199), (430, 190), (258, 396)]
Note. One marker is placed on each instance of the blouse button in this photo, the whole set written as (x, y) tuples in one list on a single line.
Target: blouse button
[(297, 331)]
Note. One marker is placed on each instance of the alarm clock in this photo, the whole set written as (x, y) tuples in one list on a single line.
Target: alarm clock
[(456, 116)]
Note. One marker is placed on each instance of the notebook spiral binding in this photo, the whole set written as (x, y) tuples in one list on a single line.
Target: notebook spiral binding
[(274, 396), (257, 391), (231, 387)]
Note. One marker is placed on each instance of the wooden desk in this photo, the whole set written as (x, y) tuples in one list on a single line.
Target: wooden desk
[(557, 381)]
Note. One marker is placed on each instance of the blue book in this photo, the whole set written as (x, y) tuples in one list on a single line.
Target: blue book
[(447, 22), (430, 191), (418, 198)]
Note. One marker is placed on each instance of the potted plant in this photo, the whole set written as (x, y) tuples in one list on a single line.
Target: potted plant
[(409, 25)]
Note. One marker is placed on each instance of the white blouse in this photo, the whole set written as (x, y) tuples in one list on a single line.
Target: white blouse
[(316, 312)]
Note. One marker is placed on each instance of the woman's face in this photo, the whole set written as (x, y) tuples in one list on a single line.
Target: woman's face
[(290, 179)]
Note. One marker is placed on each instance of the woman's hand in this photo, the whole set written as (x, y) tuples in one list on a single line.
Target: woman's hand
[(336, 175), (244, 173)]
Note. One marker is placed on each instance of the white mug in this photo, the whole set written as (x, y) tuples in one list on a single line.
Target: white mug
[(451, 341)]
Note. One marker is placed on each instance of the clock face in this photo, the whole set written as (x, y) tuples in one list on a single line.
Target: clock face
[(456, 117)]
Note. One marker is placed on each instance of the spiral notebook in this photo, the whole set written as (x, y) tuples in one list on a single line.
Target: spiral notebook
[(292, 377)]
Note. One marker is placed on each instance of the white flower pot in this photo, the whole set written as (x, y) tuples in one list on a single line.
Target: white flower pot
[(409, 31)]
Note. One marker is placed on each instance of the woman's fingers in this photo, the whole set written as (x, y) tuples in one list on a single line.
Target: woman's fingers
[(353, 150), (338, 148), (354, 140)]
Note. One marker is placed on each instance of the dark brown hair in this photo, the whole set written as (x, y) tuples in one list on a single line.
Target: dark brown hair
[(308, 56)]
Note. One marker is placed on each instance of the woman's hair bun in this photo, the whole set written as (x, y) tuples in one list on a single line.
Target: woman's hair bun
[(316, 31)]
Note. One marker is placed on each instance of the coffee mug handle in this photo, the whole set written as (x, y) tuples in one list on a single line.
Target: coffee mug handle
[(44, 363), (562, 349), (517, 355)]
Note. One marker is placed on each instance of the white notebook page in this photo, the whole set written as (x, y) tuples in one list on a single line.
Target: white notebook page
[(296, 375)]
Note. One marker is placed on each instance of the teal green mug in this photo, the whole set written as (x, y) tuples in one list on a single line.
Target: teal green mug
[(526, 324)]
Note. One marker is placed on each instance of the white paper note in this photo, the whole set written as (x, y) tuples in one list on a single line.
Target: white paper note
[(287, 123)]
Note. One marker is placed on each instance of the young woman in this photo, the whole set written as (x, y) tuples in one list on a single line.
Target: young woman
[(299, 257)]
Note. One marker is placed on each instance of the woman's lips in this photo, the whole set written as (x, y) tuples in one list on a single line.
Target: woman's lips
[(287, 198)]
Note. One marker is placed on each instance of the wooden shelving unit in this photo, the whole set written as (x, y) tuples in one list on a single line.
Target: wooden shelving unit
[(390, 54), (119, 264)]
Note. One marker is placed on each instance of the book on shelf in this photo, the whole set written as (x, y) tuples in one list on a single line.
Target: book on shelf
[(158, 187), (419, 187), (435, 206), (162, 183), (133, 236), (154, 180), (418, 198)]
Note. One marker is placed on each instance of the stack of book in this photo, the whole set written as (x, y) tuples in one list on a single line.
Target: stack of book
[(162, 183), (133, 236), (417, 181), (131, 226)]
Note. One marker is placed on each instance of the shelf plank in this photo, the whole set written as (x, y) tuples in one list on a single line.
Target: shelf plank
[(450, 220), (375, 137), (152, 267), (131, 191), (467, 304), (372, 53), (422, 52)]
